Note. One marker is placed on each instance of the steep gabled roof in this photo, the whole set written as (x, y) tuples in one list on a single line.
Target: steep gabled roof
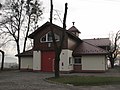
[(86, 48), (99, 41), (55, 26), (38, 30)]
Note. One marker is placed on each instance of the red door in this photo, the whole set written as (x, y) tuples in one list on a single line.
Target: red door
[(47, 62)]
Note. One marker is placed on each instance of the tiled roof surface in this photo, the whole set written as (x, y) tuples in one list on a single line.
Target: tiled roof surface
[(99, 41), (88, 49), (73, 29)]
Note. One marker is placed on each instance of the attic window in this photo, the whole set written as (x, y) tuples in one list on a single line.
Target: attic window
[(48, 37)]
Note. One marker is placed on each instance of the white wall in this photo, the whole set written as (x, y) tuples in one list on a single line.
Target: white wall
[(64, 58), (93, 62), (36, 60), (71, 43), (26, 63)]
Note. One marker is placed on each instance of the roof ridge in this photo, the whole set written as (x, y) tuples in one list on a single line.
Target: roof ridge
[(95, 39)]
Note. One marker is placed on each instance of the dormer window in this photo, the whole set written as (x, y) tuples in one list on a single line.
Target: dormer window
[(48, 37)]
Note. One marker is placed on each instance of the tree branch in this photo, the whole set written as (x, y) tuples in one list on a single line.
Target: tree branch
[(51, 11)]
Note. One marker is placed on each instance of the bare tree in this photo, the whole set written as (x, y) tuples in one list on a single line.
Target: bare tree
[(0, 5), (34, 11), (58, 48), (1, 51), (2, 63), (18, 16), (113, 52)]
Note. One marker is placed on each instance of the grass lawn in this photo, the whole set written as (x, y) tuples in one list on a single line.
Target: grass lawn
[(86, 80), (117, 69)]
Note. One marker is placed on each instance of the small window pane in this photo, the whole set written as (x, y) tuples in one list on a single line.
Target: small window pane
[(49, 38), (77, 60)]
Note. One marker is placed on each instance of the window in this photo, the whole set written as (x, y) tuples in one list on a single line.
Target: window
[(70, 60), (77, 60), (48, 37)]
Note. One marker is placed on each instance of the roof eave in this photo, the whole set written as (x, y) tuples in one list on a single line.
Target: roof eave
[(76, 55)]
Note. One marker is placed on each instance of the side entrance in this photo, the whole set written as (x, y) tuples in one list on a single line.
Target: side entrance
[(47, 61)]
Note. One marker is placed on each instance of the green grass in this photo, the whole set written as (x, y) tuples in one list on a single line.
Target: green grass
[(86, 80), (117, 68)]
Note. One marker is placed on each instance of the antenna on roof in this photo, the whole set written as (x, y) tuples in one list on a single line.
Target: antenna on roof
[(73, 23)]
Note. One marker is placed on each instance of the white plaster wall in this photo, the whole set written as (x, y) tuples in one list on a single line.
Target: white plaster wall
[(64, 58), (37, 60), (26, 63), (93, 62), (71, 43)]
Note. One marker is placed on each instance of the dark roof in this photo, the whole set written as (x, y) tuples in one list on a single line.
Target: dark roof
[(99, 41), (39, 29), (26, 53), (86, 48), (55, 26), (73, 29)]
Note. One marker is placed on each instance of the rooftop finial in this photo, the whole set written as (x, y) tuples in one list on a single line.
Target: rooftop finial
[(73, 23)]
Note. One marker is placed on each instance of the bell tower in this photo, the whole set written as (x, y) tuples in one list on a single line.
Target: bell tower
[(74, 30)]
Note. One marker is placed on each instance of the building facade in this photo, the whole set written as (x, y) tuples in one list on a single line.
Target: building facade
[(77, 55)]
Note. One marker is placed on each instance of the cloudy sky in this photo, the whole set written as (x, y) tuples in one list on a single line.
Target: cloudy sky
[(94, 18)]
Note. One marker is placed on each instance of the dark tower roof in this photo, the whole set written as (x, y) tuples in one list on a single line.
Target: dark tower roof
[(73, 29)]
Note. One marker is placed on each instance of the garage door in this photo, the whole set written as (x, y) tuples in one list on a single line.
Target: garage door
[(47, 61)]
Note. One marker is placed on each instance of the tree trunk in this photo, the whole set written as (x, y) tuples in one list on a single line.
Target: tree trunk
[(56, 67), (18, 51), (2, 63), (112, 62), (26, 37), (19, 61), (51, 11), (57, 48)]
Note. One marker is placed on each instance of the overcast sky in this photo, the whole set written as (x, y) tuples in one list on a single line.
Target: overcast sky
[(93, 18)]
